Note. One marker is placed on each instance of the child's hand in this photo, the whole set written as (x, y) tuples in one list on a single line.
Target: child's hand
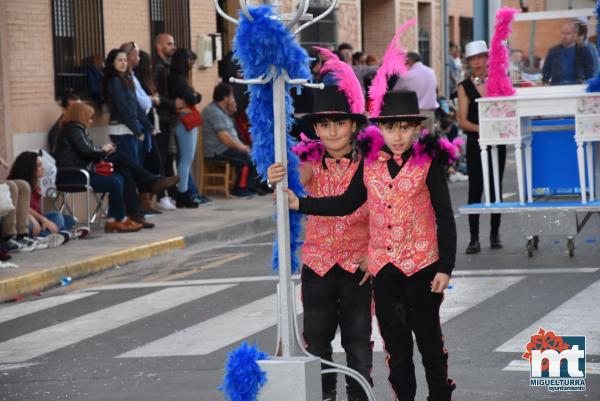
[(440, 283), (363, 263), (276, 172), (293, 201), (365, 278)]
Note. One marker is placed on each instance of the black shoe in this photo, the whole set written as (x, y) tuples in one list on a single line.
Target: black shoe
[(473, 248), (495, 242)]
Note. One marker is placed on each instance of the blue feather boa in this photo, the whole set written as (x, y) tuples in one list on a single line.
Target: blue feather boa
[(258, 45), (243, 377), (594, 84)]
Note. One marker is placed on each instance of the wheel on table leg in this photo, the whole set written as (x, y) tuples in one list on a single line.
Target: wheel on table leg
[(536, 241), (530, 247), (571, 247)]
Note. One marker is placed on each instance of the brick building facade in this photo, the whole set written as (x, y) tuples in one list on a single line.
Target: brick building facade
[(28, 95)]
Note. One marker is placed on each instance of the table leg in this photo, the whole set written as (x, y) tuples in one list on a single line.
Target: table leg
[(486, 174), (581, 166), (590, 168), (519, 159), (496, 173), (529, 172)]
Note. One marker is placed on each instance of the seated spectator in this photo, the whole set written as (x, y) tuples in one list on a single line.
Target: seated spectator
[(53, 227), (68, 98), (14, 225), (74, 149), (221, 141)]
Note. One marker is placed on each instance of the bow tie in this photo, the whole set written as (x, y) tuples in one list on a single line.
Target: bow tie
[(385, 156), (331, 162)]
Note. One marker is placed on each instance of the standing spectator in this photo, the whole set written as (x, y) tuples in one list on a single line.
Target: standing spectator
[(456, 69), (420, 79), (469, 90), (68, 98), (569, 62), (221, 141), (129, 127), (180, 87), (165, 47), (345, 52), (15, 224), (582, 39), (149, 155), (95, 76)]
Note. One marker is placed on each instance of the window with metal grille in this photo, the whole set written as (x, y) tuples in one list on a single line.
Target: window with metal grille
[(78, 41), (172, 17), (322, 33)]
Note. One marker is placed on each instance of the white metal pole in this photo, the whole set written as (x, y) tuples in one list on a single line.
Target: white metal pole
[(283, 222)]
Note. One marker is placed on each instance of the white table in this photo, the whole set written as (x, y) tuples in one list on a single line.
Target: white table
[(507, 121)]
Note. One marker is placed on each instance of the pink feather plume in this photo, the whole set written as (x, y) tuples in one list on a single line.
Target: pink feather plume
[(498, 82), (347, 81), (394, 63), (370, 142), (308, 149)]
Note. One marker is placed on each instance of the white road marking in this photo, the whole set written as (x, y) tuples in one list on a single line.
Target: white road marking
[(522, 365), (464, 294), (25, 308), (236, 280), (506, 195), (15, 366), (43, 341), (578, 316), (210, 281), (216, 333)]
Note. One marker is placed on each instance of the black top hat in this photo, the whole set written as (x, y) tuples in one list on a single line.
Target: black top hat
[(399, 106), (332, 103)]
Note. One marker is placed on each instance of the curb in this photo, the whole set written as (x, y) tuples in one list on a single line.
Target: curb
[(15, 287)]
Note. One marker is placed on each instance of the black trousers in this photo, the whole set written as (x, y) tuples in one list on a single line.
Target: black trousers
[(405, 305), (166, 158), (476, 182), (239, 161), (335, 300)]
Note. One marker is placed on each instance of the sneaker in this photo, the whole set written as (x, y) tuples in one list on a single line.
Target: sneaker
[(473, 248), (81, 232), (203, 200), (166, 204), (29, 244), (50, 241), (8, 265), (242, 193), (15, 246)]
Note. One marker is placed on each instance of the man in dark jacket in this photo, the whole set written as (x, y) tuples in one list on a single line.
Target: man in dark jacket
[(570, 62), (165, 47)]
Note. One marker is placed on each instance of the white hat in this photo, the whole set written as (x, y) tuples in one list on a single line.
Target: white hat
[(475, 47)]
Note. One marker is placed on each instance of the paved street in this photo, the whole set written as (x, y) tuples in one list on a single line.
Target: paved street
[(160, 329)]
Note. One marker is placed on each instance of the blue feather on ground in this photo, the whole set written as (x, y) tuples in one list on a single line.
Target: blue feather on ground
[(243, 377)]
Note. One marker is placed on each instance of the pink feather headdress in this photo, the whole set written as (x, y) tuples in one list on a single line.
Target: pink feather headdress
[(394, 63), (347, 81), (370, 142), (498, 82)]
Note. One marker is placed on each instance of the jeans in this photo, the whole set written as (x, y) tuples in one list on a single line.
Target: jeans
[(162, 143), (187, 141), (129, 146), (476, 182), (64, 222), (405, 305), (335, 300)]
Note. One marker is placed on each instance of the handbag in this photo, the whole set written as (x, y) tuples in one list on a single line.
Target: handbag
[(191, 120), (6, 204), (104, 168)]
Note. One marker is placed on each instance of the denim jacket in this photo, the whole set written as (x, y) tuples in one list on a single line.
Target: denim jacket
[(125, 109)]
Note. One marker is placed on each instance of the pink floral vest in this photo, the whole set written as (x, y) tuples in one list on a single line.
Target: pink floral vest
[(331, 240), (401, 221)]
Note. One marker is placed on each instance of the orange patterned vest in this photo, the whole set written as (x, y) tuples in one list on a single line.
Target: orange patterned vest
[(401, 220), (331, 240)]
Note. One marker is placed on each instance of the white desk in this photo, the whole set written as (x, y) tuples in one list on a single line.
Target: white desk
[(507, 121)]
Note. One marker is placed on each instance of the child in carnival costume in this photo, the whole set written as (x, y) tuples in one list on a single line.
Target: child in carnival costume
[(335, 291), (412, 244)]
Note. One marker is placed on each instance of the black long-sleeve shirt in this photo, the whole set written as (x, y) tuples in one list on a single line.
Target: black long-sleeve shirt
[(356, 195)]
